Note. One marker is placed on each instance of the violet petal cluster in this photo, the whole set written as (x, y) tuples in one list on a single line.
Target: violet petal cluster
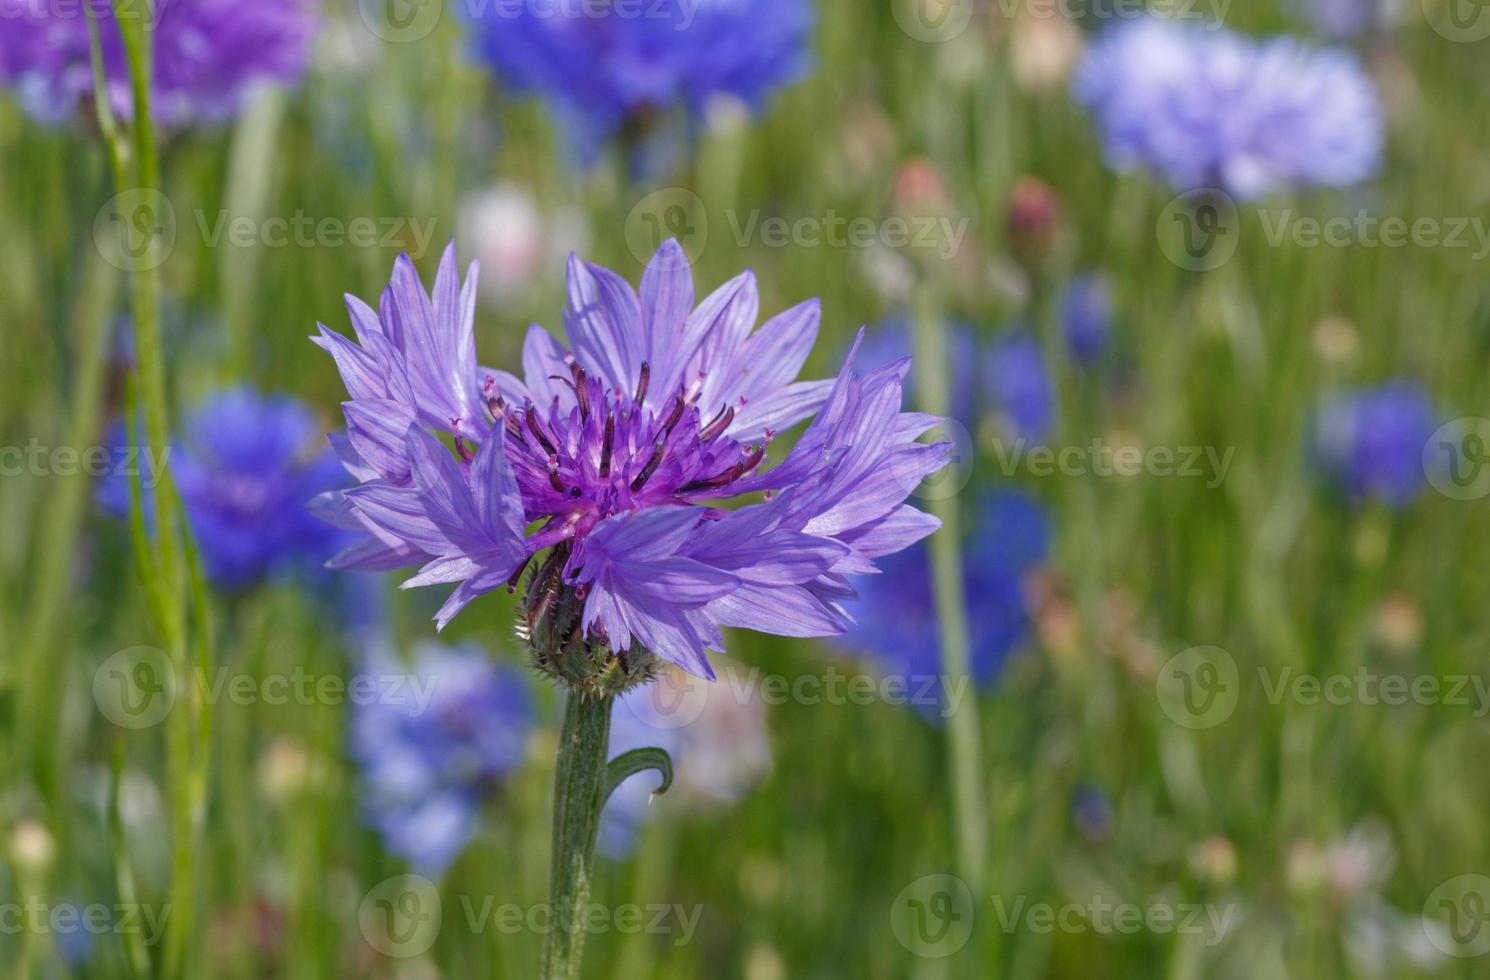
[(431, 742), (617, 454), (207, 53), (1370, 441), (896, 622), (246, 466), (1204, 107), (605, 67)]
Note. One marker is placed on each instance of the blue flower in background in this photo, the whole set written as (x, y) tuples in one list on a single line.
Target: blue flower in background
[(895, 614), (246, 469), (1345, 18), (1207, 108), (434, 740), (1086, 317), (1370, 441), (604, 68), (1008, 376), (1020, 384), (207, 54)]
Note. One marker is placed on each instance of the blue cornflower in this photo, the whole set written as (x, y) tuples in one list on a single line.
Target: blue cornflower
[(207, 53), (1019, 381), (1370, 441), (1086, 317), (611, 67), (247, 467), (620, 450), (434, 739), (1008, 377), (895, 615), (1208, 108)]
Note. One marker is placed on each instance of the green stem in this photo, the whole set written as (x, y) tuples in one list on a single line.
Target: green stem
[(579, 794), (963, 733)]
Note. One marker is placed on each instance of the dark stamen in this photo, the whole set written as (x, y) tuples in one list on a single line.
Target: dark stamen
[(674, 416), (650, 468), (751, 460), (720, 423), (531, 415), (641, 386), (605, 447), (553, 473)]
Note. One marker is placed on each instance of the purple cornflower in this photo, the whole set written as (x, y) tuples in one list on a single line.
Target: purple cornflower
[(1086, 317), (246, 469), (207, 53), (621, 450), (1370, 441), (1020, 384), (606, 70), (890, 340), (1208, 108), (895, 615), (436, 737)]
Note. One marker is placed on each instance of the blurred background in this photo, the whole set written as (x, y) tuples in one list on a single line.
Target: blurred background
[(1210, 318)]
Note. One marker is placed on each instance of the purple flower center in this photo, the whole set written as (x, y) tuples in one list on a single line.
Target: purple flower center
[(613, 451)]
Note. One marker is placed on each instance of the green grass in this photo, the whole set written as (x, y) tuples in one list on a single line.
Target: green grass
[(801, 878)]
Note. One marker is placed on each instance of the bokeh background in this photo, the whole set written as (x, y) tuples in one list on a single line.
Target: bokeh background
[(1225, 581)]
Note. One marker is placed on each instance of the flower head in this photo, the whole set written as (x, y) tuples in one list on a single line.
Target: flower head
[(895, 614), (623, 450), (1370, 441), (1208, 108), (1086, 317), (432, 742), (603, 69), (207, 53), (246, 468), (1019, 380)]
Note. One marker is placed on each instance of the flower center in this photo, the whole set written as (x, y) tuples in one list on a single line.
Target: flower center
[(609, 451)]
